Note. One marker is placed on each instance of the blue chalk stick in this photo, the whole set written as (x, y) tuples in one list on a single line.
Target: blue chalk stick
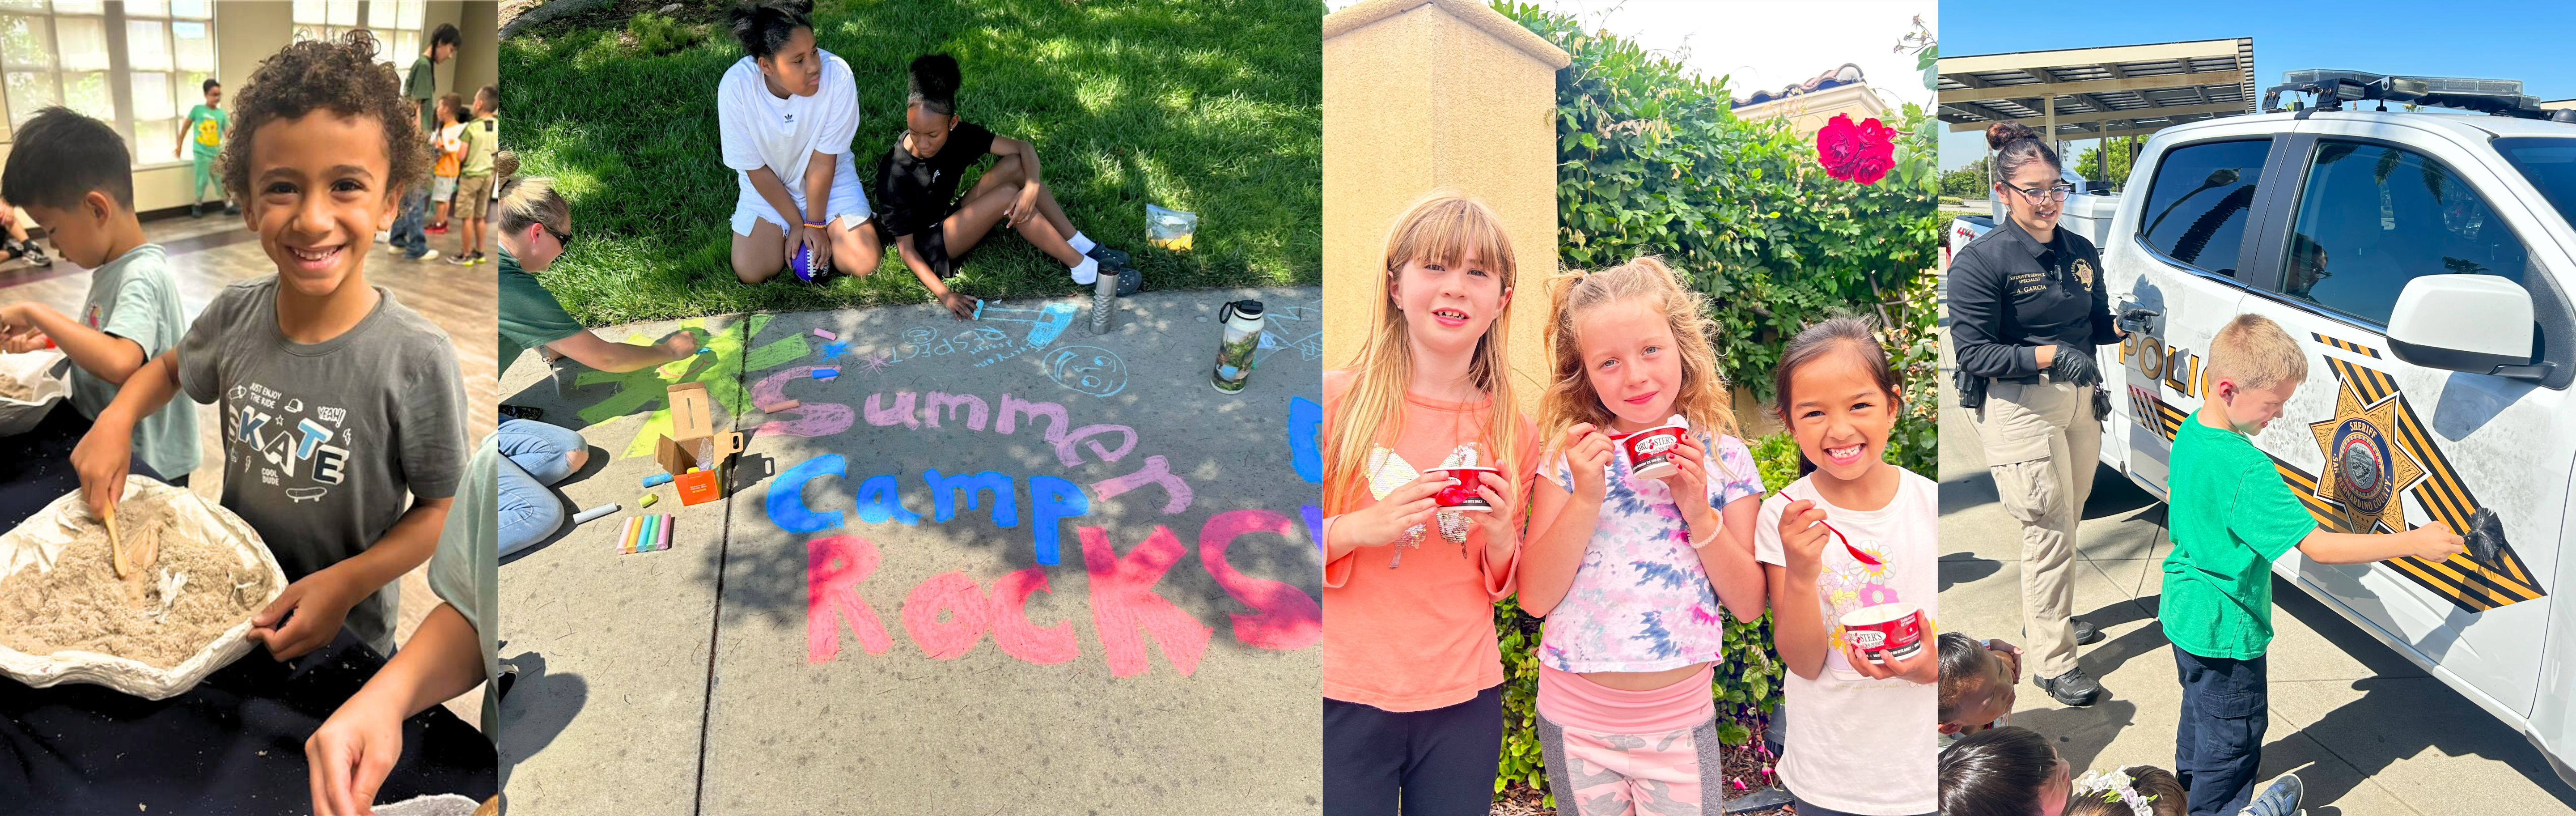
[(826, 373), (979, 308), (706, 351), (658, 478)]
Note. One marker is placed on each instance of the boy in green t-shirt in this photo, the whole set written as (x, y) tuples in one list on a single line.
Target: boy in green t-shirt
[(2231, 516), (482, 139), (205, 129), (72, 174)]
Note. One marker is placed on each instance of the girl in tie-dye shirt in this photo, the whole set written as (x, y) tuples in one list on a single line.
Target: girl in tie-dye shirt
[(1629, 571)]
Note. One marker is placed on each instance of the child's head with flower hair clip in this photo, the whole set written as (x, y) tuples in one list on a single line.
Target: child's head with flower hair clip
[(2137, 790)]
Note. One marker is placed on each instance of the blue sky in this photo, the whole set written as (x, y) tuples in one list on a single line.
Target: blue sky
[(2529, 41)]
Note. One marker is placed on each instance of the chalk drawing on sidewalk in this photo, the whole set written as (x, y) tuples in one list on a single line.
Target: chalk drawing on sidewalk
[(1306, 335), (729, 356), (989, 340), (1087, 370)]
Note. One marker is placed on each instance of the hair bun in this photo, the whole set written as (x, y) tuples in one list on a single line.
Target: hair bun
[(935, 77), (505, 164), (2007, 132)]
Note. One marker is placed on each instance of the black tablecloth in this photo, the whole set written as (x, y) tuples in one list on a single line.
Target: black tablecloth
[(234, 744), (36, 467)]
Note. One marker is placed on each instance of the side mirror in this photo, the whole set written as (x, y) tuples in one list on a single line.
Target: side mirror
[(2480, 324)]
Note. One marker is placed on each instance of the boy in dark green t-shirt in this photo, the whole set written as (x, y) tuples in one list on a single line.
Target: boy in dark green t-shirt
[(2231, 516)]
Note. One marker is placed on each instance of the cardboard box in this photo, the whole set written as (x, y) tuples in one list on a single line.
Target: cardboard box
[(694, 442)]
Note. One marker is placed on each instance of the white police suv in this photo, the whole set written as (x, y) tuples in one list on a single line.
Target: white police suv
[(2426, 262)]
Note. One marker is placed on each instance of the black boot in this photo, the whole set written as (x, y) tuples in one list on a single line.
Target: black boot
[(196, 210)]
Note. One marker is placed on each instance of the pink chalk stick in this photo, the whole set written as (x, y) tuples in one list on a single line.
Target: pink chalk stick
[(826, 335), (781, 405), (665, 543)]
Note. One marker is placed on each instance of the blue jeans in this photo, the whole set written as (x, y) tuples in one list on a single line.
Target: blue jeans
[(409, 227), (2218, 744), (532, 459)]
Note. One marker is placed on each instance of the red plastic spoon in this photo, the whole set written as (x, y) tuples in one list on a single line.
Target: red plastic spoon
[(1856, 554)]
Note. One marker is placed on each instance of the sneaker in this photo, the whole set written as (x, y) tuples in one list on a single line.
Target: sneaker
[(2281, 798), (196, 211), (392, 249), (384, 237), (1109, 256), (435, 229), (1129, 279), (2074, 688), (232, 208), (2086, 634), (462, 260), (37, 256)]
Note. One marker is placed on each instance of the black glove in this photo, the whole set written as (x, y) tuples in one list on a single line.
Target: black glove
[(2073, 365)]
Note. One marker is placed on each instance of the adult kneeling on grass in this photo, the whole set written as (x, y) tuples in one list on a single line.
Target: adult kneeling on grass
[(787, 111), (535, 225)]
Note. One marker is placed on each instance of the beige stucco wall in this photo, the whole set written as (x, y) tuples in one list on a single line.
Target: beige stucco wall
[(1420, 94), (247, 31)]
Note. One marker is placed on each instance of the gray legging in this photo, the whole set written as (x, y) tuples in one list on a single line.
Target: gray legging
[(1560, 781)]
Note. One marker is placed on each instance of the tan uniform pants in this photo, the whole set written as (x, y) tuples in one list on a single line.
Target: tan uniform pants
[(2042, 442)]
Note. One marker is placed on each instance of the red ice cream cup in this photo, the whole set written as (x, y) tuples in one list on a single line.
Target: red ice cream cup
[(1463, 495), (1650, 451), (1888, 630)]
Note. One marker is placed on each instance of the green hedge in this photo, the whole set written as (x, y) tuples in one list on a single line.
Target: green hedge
[(1652, 162)]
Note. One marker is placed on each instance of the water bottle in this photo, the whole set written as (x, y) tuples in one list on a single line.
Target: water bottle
[(1242, 321), (1104, 301)]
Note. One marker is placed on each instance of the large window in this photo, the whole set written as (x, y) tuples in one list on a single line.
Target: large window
[(2373, 217), (136, 65), (2196, 207), (396, 24)]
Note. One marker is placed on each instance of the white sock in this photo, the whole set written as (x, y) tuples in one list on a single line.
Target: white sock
[(1087, 272), (1081, 243)]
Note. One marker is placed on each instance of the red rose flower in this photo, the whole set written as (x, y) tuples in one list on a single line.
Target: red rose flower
[(1861, 153)]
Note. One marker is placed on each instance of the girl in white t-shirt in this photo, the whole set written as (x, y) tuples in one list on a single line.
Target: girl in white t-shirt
[(1853, 531), (786, 112)]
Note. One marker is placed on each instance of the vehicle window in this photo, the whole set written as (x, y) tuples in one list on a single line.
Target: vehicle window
[(2196, 207), (2550, 164), (2374, 217)]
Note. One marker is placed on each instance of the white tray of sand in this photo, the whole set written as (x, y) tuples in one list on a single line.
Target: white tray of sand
[(193, 574), (29, 387)]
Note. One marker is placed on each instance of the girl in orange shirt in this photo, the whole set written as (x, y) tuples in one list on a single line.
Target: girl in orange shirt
[(1412, 675)]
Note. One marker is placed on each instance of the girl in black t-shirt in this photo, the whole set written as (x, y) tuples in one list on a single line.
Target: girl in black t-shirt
[(932, 226)]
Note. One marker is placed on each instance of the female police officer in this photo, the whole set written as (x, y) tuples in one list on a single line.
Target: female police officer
[(2027, 308)]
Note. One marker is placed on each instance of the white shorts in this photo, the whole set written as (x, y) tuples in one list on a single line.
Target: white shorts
[(441, 188), (849, 200)]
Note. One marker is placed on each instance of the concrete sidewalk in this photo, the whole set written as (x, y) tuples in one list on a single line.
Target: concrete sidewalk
[(2367, 731), (1122, 620)]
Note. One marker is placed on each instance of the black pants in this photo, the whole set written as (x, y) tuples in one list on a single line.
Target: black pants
[(1434, 763), (2218, 746)]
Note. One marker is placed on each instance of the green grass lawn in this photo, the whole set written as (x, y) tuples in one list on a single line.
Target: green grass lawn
[(1210, 106)]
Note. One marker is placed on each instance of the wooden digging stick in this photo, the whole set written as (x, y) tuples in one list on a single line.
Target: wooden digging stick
[(118, 549)]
